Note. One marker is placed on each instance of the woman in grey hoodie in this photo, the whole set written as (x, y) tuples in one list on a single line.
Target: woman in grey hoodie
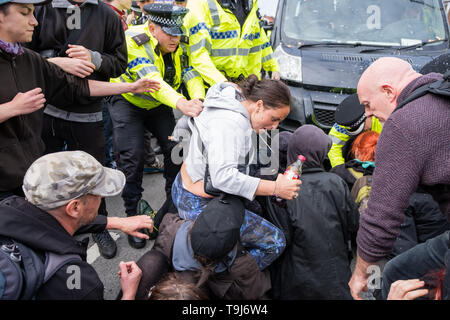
[(230, 116)]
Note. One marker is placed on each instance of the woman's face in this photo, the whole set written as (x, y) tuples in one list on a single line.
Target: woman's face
[(264, 118)]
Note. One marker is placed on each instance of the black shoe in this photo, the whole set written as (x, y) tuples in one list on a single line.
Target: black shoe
[(106, 244), (136, 242)]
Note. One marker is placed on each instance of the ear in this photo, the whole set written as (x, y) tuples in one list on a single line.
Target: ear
[(260, 105), (74, 208), (390, 92), (151, 28)]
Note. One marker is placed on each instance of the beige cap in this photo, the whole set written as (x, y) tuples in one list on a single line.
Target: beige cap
[(56, 178)]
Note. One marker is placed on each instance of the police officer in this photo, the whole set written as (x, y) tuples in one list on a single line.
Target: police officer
[(227, 42), (135, 13), (141, 16), (154, 53), (350, 120), (151, 163)]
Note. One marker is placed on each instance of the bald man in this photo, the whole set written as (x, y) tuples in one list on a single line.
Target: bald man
[(413, 151)]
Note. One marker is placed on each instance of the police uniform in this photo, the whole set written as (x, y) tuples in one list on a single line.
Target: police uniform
[(132, 113), (350, 119), (137, 14), (227, 43)]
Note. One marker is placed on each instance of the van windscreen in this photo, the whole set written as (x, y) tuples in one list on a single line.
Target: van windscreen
[(371, 22)]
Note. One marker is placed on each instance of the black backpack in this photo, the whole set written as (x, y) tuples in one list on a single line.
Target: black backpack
[(23, 271), (440, 87)]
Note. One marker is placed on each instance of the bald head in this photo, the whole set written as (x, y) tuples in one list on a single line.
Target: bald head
[(387, 70), (381, 84)]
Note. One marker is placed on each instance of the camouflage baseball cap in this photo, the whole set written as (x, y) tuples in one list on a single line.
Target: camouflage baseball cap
[(56, 178)]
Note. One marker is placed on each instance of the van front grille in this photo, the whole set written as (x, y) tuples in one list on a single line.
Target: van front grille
[(324, 115)]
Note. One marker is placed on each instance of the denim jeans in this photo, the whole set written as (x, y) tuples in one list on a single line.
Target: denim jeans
[(419, 262), (262, 239)]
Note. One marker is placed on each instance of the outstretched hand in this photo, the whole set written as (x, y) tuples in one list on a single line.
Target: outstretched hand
[(144, 85)]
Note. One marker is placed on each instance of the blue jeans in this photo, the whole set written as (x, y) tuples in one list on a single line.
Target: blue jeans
[(262, 239), (418, 262)]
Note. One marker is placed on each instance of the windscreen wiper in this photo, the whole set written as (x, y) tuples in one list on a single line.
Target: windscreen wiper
[(413, 46), (425, 4), (421, 44), (329, 43)]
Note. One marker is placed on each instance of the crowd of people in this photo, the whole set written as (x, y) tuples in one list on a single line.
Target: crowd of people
[(79, 107)]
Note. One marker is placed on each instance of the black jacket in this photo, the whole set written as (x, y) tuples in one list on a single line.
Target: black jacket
[(319, 224), (40, 231), (20, 137), (102, 32)]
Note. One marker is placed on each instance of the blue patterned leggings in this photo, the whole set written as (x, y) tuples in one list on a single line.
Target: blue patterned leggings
[(263, 240)]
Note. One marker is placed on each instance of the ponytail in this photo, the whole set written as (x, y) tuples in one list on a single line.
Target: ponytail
[(274, 93)]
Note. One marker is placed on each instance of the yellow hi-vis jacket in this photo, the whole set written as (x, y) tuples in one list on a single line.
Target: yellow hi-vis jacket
[(339, 135), (217, 42), (146, 61)]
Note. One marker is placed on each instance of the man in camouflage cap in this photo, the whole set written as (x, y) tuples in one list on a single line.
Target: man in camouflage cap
[(57, 178), (63, 191)]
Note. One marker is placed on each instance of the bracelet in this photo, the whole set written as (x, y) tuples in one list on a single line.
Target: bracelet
[(275, 190)]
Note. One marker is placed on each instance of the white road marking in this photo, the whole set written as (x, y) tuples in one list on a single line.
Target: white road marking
[(93, 253)]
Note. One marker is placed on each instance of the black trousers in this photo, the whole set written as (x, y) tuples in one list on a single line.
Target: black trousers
[(85, 136), (129, 122)]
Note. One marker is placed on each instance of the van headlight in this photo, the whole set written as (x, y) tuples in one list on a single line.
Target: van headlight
[(290, 66)]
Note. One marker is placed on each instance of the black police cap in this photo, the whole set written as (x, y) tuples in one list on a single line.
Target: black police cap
[(168, 16), (350, 113), (135, 7)]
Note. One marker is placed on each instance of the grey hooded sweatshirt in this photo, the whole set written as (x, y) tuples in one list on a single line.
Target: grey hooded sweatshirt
[(225, 129)]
